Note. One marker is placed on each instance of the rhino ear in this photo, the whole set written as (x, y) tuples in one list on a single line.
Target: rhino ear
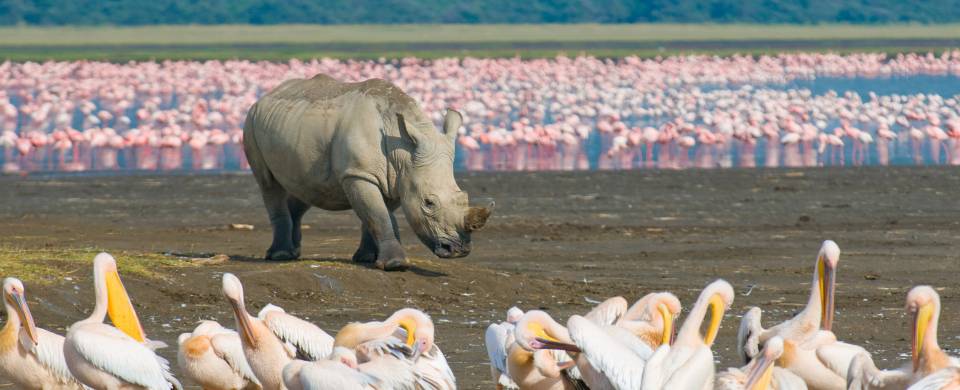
[(411, 133), (451, 124)]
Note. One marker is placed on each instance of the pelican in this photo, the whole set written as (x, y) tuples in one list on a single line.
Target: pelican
[(498, 339), (274, 338), (688, 362), (608, 312), (342, 371), (212, 356), (811, 349), (923, 304), (416, 334), (114, 357), (760, 373), (30, 357), (529, 364), (649, 316), (945, 379)]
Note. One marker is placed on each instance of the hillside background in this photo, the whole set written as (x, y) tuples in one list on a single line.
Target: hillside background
[(133, 12)]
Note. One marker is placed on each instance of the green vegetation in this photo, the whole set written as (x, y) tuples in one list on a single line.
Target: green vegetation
[(283, 42), (39, 266), (133, 12)]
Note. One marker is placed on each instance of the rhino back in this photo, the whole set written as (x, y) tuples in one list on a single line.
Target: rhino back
[(312, 133)]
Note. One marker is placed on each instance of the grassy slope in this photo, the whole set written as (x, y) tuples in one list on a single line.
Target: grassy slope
[(370, 41)]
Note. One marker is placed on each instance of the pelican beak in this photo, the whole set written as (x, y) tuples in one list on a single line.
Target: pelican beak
[(26, 319), (760, 375), (243, 322), (669, 327), (120, 309), (920, 322), (542, 343), (410, 326), (716, 314), (827, 279), (542, 340)]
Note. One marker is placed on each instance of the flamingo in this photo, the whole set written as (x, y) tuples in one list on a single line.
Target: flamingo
[(923, 304), (119, 356), (274, 338), (30, 357), (212, 356)]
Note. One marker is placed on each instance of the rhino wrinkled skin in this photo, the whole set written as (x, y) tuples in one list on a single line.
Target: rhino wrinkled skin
[(365, 146)]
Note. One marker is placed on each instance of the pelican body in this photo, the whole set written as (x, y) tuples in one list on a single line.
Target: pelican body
[(107, 357), (30, 357), (212, 356)]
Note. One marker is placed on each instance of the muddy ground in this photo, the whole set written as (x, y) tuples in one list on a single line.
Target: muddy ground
[(556, 241)]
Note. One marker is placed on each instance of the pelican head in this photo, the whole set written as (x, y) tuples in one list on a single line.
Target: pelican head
[(715, 298), (668, 307), (514, 314), (233, 291), (345, 356), (14, 298), (110, 291), (827, 261), (923, 303), (537, 330), (418, 327), (761, 373)]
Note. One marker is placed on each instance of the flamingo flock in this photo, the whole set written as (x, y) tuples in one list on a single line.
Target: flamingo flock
[(614, 346), (544, 114)]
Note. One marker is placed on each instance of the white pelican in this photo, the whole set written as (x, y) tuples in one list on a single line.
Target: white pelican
[(923, 303), (648, 317), (342, 371), (498, 339), (811, 350), (416, 333), (608, 312), (114, 357), (688, 362), (30, 357), (760, 373), (275, 338), (945, 379), (212, 356), (531, 366)]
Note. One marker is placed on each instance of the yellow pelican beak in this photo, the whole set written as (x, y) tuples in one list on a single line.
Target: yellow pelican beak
[(716, 314), (761, 375), (921, 320), (669, 329), (120, 309), (827, 282), (26, 319)]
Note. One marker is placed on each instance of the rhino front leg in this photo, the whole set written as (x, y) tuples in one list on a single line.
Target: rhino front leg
[(275, 199), (367, 252), (367, 201)]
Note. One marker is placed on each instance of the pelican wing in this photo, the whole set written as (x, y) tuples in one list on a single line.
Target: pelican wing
[(748, 335), (629, 340), (863, 374), (838, 356), (227, 346), (112, 351), (622, 367), (390, 373), (696, 372), (785, 380), (433, 372), (608, 312), (49, 352), (333, 375), (311, 342), (496, 339), (947, 378)]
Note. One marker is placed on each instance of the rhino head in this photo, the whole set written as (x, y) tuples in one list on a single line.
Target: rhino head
[(438, 211)]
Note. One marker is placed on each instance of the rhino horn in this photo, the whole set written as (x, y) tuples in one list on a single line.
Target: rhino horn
[(451, 124), (477, 217)]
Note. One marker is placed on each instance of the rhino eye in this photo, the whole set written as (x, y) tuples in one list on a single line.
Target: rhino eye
[(430, 203)]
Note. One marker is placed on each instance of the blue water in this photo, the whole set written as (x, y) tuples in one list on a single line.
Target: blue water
[(945, 86)]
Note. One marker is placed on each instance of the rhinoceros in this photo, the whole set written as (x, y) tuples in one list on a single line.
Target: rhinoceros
[(365, 146)]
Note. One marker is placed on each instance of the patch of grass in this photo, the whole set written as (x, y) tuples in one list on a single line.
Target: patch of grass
[(284, 42), (50, 265)]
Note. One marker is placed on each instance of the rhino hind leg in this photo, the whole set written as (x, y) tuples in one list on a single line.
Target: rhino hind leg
[(297, 209), (367, 201), (276, 200), (367, 252)]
